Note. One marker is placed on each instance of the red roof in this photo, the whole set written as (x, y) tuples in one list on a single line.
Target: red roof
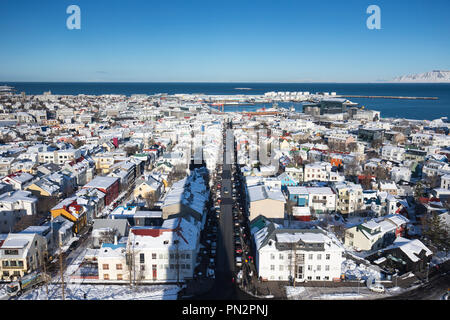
[(149, 232), (427, 200)]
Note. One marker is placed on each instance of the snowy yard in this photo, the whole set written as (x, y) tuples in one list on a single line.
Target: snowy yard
[(293, 293), (103, 292), (341, 296), (355, 271)]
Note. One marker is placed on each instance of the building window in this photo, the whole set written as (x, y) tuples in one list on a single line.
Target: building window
[(310, 256), (105, 266), (318, 278), (327, 256), (188, 266), (318, 268), (153, 255), (272, 256), (183, 256), (309, 278), (119, 277), (272, 267), (310, 267), (142, 258), (281, 257), (319, 256), (326, 278), (281, 267), (142, 267), (106, 276), (119, 266), (327, 268), (188, 256)]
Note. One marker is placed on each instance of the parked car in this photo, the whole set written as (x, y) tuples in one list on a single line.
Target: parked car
[(377, 287)]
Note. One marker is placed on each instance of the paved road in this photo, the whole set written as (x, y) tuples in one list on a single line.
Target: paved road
[(224, 288), (433, 290)]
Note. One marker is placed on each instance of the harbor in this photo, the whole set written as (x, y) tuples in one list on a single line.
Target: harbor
[(388, 97)]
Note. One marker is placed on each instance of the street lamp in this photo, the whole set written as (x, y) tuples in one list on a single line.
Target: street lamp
[(396, 277)]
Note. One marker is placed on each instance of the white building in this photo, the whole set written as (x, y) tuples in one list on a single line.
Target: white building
[(400, 173), (350, 197), (393, 153), (59, 156), (112, 263), (321, 199), (318, 171), (164, 254), (445, 181), (14, 205), (284, 254)]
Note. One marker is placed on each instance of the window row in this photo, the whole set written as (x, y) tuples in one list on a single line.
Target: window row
[(299, 256), (289, 267)]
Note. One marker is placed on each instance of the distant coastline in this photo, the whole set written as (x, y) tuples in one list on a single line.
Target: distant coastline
[(413, 109)]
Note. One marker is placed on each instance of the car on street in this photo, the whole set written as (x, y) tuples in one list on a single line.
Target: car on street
[(377, 287)]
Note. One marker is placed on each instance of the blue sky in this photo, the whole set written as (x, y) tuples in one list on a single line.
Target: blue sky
[(221, 41)]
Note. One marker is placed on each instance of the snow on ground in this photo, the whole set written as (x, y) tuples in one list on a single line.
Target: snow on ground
[(355, 271), (292, 292), (3, 294), (103, 292), (344, 296)]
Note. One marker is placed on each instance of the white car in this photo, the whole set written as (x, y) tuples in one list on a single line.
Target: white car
[(378, 287)]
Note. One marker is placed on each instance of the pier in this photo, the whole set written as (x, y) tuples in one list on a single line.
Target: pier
[(387, 97)]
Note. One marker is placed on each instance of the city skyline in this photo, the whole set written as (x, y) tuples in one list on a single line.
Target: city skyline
[(232, 42)]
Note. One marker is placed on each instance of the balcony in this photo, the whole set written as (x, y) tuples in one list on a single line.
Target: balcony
[(319, 201)]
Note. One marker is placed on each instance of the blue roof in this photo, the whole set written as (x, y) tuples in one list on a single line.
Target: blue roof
[(114, 246)]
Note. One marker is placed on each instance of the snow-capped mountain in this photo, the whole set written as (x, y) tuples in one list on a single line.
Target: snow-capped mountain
[(433, 76)]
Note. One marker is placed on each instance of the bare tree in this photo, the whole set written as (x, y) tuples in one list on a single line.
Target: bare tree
[(150, 199), (352, 168), (381, 173), (107, 235), (433, 181)]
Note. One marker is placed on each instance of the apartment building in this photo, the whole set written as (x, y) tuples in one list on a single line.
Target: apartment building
[(59, 156), (393, 153), (21, 254), (164, 254), (349, 197), (303, 255)]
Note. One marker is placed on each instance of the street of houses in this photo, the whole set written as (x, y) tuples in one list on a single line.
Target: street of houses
[(116, 190)]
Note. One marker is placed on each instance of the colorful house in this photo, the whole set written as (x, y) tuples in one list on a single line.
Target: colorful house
[(287, 180), (108, 185), (72, 211)]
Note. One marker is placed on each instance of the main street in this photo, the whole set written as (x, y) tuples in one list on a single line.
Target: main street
[(224, 287)]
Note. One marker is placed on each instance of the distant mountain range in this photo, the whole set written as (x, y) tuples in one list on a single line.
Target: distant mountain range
[(433, 76)]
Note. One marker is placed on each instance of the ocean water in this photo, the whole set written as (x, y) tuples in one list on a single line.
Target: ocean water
[(411, 109)]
